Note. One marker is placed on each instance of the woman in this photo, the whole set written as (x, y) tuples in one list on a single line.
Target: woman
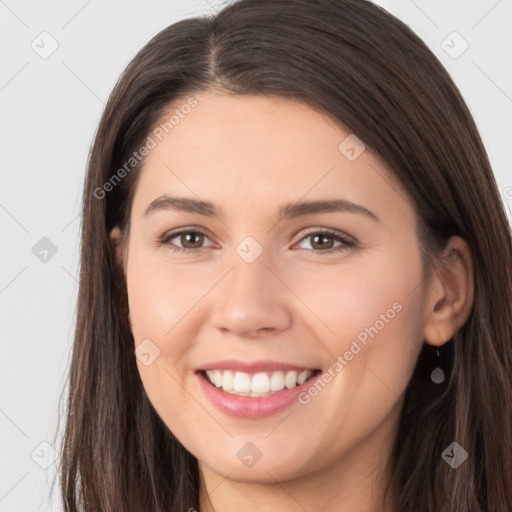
[(295, 277)]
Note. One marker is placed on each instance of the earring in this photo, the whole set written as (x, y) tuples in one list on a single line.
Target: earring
[(437, 375)]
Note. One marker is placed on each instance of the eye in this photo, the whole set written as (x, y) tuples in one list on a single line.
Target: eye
[(191, 240), (322, 241)]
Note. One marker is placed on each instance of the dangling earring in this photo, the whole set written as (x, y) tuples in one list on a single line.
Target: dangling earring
[(437, 375)]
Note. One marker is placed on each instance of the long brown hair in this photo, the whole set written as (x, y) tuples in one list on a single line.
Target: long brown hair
[(368, 70)]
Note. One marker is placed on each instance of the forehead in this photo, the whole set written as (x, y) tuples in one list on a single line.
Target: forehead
[(258, 150)]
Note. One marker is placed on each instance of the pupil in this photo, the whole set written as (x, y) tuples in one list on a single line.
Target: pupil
[(323, 238), (188, 236)]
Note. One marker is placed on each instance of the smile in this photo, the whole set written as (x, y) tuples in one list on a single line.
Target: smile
[(256, 394), (259, 384)]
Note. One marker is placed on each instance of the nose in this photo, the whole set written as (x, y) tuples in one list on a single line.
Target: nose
[(252, 301)]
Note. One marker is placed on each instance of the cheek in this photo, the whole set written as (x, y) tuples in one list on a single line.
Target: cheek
[(161, 298), (160, 302), (371, 318), (161, 305), (348, 299), (377, 323)]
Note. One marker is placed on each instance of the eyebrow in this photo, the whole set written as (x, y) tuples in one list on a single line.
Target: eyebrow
[(290, 210)]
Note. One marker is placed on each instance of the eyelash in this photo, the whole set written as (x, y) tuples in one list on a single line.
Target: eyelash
[(346, 243)]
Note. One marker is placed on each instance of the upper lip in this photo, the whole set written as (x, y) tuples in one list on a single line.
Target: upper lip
[(253, 366)]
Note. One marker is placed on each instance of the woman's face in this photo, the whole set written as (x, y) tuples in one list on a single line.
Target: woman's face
[(264, 290)]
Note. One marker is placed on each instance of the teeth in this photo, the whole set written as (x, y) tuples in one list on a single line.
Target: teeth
[(260, 383), (302, 377), (277, 381), (290, 380), (241, 383), (227, 381), (257, 384)]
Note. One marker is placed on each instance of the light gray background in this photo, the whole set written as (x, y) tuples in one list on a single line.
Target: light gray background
[(50, 108)]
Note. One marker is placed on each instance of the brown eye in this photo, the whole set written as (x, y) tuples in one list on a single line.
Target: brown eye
[(324, 242), (191, 240), (185, 241)]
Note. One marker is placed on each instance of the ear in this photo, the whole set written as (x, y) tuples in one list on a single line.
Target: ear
[(116, 244), (450, 300)]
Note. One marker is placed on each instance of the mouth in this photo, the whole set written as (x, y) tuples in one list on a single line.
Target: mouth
[(256, 384)]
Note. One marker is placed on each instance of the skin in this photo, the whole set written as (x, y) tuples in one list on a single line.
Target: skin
[(249, 155)]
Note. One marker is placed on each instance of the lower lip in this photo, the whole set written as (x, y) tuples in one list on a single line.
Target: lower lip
[(251, 407)]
